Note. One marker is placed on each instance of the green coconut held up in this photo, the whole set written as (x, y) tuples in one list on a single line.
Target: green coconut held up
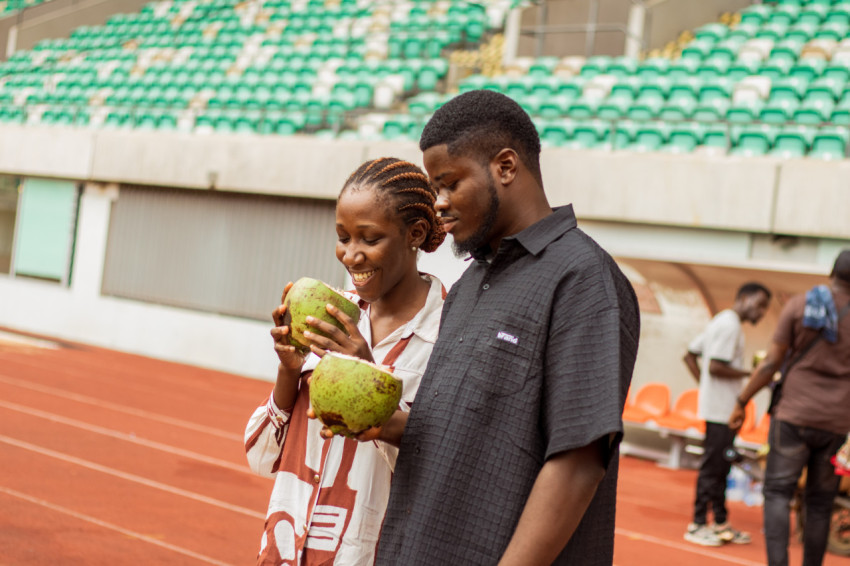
[(350, 395), (308, 297)]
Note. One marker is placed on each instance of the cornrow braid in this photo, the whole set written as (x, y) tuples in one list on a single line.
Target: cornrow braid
[(407, 188)]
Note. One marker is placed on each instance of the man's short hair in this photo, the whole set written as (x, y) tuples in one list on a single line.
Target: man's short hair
[(481, 123), (841, 269), (751, 288)]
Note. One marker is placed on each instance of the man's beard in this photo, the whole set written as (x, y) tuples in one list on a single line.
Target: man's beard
[(479, 238)]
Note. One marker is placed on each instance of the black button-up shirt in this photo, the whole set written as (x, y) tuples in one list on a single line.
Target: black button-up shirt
[(534, 357)]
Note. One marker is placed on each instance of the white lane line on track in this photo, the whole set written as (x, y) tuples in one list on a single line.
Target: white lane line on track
[(131, 477), (110, 526), (684, 547), (126, 437), (118, 407)]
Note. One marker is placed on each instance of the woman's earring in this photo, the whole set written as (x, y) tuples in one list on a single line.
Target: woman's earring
[(413, 248)]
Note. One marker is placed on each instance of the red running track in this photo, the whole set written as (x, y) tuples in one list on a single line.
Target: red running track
[(111, 458)]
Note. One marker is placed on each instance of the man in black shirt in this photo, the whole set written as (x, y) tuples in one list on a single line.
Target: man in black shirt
[(510, 452)]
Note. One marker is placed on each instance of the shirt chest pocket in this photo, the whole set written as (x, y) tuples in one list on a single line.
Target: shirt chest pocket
[(505, 355)]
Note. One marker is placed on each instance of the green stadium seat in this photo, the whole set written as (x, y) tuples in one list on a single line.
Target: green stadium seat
[(802, 31), (622, 66), (713, 67), (555, 132), (589, 134), (613, 108), (815, 111), (745, 111), (713, 32), (826, 88), (716, 137), (697, 50), (677, 109), (772, 30), (813, 13), (743, 31), (650, 137), (743, 68), (830, 143), (682, 68), (838, 13), (583, 108), (755, 14), (717, 88), (645, 108), (792, 142), (596, 65), (784, 14), (554, 106), (653, 67), (711, 110), (840, 114), (779, 111), (622, 134), (788, 88), (752, 141), (832, 30), (808, 68), (684, 138)]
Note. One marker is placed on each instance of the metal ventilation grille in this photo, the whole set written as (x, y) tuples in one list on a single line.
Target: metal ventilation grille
[(216, 252)]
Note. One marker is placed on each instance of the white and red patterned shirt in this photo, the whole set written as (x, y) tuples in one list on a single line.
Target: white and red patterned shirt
[(329, 496)]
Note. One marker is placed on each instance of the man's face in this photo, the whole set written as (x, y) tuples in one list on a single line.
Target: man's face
[(468, 202), (755, 306)]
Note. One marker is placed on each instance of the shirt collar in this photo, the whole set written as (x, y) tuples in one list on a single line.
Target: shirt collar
[(426, 323), (536, 237)]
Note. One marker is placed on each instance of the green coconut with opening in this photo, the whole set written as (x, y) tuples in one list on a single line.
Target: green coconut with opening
[(308, 297), (349, 395)]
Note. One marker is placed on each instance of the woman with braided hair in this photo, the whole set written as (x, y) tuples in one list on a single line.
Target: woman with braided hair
[(330, 494)]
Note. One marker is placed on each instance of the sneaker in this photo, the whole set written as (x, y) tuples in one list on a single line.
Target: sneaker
[(726, 533), (702, 535)]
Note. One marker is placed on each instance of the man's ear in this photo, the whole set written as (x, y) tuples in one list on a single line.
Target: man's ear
[(505, 165)]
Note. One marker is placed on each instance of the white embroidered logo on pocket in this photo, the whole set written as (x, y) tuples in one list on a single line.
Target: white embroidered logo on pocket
[(502, 335)]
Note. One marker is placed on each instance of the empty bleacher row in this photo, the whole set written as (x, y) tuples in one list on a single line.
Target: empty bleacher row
[(8, 7), (773, 79), (650, 408), (271, 66)]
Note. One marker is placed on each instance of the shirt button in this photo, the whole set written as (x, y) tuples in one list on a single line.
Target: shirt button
[(460, 339), (486, 286), (316, 478)]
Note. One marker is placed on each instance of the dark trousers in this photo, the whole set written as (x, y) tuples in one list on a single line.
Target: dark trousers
[(713, 469), (793, 448)]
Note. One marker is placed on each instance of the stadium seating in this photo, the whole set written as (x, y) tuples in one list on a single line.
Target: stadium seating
[(773, 80), (651, 402), (226, 65), (683, 416)]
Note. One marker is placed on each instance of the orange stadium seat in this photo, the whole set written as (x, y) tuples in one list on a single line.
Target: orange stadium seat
[(684, 413), (651, 402), (758, 434)]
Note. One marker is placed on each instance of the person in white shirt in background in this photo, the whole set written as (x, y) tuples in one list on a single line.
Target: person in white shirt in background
[(716, 360), (330, 494)]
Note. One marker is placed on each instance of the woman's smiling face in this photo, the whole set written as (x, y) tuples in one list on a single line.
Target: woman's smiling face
[(372, 242)]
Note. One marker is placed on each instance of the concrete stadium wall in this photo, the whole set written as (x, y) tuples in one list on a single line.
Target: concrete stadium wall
[(756, 217), (759, 195)]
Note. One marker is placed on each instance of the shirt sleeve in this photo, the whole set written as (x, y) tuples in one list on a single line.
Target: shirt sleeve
[(264, 437), (722, 339), (589, 359), (697, 344)]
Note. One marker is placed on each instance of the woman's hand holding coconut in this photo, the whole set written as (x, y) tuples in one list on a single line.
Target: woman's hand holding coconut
[(348, 341)]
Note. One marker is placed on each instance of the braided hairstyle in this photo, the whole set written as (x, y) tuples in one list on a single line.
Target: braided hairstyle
[(406, 187)]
